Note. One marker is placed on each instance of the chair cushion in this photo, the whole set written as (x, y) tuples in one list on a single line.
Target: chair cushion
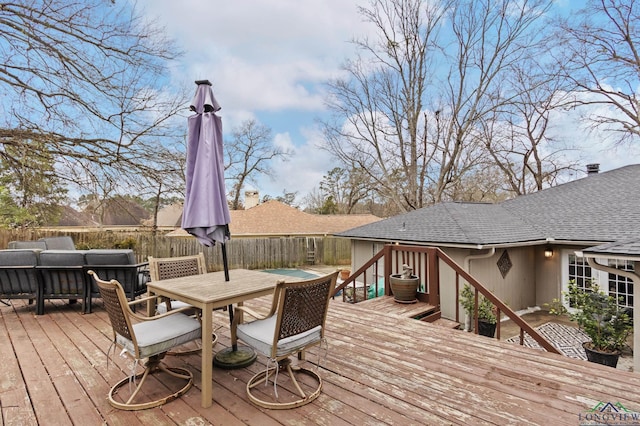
[(259, 335), (160, 335)]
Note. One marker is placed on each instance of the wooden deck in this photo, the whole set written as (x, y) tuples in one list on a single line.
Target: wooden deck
[(381, 368)]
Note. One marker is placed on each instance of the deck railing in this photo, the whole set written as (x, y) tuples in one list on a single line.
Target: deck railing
[(372, 279)]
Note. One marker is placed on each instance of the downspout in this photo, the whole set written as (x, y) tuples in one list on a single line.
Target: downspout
[(595, 265), (468, 259), (636, 304), (467, 267)]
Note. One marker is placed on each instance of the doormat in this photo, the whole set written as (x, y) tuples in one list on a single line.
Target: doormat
[(568, 340)]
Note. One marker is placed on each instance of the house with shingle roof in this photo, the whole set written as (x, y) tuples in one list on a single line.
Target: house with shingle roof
[(524, 249), (276, 219)]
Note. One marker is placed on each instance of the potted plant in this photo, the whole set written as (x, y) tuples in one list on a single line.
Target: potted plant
[(600, 317), (404, 286), (487, 317), (467, 300)]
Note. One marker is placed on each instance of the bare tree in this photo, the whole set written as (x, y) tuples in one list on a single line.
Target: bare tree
[(517, 138), (248, 156), (411, 111), (83, 79), (600, 55), (378, 107)]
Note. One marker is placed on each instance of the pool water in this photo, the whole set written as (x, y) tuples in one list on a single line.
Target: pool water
[(298, 273)]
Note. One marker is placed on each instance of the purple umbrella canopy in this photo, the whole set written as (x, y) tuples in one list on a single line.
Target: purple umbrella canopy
[(206, 213)]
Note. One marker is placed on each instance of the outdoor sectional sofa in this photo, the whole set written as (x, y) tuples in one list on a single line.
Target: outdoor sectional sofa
[(38, 274)]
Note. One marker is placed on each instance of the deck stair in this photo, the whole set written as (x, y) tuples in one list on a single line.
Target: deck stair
[(420, 310)]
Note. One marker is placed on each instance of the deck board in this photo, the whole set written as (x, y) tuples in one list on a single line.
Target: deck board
[(381, 368)]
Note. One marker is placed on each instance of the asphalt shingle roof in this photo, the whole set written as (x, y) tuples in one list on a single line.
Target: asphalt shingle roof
[(621, 248), (276, 218), (601, 207)]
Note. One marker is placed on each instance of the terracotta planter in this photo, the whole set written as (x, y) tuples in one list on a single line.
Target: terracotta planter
[(609, 359), (344, 274), (405, 290)]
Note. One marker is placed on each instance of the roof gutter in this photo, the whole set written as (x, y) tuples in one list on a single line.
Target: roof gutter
[(479, 246)]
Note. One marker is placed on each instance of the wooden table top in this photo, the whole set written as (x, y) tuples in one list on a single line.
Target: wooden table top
[(211, 288)]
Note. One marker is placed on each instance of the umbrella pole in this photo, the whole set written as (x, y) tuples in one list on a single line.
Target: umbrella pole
[(225, 264), (232, 357)]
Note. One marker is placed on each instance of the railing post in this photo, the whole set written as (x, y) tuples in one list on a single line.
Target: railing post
[(387, 269), (434, 277)]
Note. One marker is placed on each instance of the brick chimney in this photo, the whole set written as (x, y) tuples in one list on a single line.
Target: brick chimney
[(593, 169)]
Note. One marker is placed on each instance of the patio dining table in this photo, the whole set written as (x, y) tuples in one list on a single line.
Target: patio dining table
[(208, 292)]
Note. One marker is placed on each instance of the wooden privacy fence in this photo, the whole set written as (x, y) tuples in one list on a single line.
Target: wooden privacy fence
[(249, 253)]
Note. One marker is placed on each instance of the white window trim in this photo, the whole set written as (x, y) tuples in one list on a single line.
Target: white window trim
[(599, 276)]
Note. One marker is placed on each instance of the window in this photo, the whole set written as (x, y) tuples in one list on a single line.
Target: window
[(579, 271), (621, 287)]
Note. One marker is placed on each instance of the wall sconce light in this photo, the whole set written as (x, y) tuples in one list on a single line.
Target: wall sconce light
[(548, 252)]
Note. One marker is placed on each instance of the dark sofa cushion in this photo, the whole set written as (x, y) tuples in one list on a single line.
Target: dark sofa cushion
[(18, 257), (62, 258), (59, 243), (110, 257), (40, 245)]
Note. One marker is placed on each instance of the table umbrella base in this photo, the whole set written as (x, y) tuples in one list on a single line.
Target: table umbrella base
[(229, 359)]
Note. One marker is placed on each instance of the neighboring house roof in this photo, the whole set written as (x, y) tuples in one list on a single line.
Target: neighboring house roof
[(274, 218), (169, 216), (72, 217), (601, 207)]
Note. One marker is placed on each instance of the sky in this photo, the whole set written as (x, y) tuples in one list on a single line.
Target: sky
[(269, 60)]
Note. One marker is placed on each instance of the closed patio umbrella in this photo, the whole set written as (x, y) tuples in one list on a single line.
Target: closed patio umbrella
[(206, 212)]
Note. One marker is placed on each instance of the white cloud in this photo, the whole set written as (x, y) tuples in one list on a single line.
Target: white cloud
[(260, 54), (303, 171)]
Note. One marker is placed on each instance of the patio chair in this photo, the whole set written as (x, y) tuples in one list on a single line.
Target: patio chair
[(164, 268), (294, 324), (150, 338)]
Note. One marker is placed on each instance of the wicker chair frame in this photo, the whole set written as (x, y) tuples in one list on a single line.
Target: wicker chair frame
[(299, 307), (165, 268), (120, 315)]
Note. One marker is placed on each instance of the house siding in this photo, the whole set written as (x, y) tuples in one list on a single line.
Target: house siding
[(549, 273), (517, 288)]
